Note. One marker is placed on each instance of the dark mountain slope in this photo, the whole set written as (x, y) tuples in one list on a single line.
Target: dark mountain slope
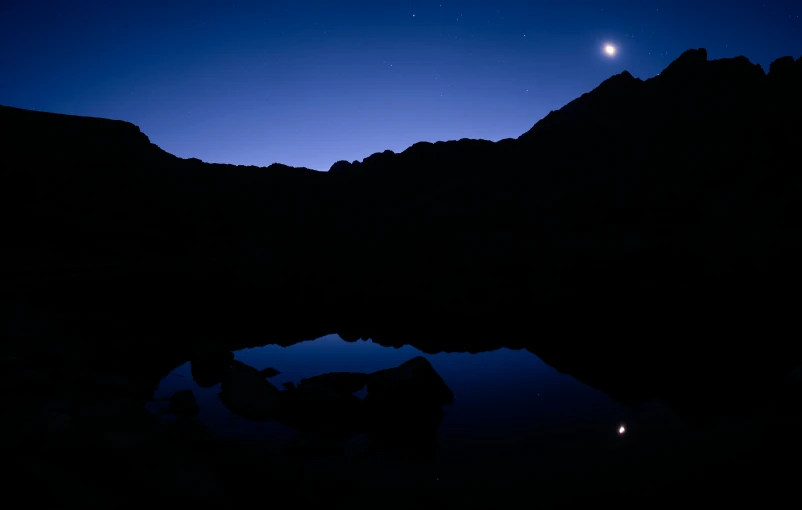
[(671, 196)]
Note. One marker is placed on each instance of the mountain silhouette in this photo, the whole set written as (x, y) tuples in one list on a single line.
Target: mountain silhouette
[(672, 196), (645, 238)]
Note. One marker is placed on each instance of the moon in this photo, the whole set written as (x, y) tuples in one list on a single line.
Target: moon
[(609, 50)]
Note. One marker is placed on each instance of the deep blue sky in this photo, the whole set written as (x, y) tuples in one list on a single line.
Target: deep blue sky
[(310, 82)]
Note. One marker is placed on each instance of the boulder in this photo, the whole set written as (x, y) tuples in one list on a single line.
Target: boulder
[(349, 336), (247, 393), (343, 382), (269, 372), (782, 68), (339, 166), (414, 380), (209, 367), (189, 429), (321, 410), (183, 403), (404, 407), (380, 158)]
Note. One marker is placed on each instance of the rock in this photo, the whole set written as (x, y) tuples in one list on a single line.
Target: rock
[(404, 407), (380, 158), (246, 393), (687, 67), (411, 428), (318, 409), (339, 166), (690, 57), (782, 68), (312, 446), (103, 409), (208, 367), (796, 375), (61, 484), (414, 380), (349, 336), (343, 382), (10, 363), (183, 404), (34, 378), (269, 372), (173, 475), (115, 385), (190, 429), (289, 385), (116, 423)]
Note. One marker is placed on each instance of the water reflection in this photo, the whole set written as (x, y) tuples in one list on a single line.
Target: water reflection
[(514, 419), (504, 400)]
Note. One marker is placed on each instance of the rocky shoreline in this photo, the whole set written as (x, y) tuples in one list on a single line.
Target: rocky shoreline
[(79, 435)]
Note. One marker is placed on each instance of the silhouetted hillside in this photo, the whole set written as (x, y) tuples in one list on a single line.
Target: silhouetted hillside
[(645, 239), (670, 197)]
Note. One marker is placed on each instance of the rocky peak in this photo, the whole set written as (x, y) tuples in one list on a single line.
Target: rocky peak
[(604, 98), (72, 137), (379, 158), (782, 67), (339, 166), (690, 62), (617, 82)]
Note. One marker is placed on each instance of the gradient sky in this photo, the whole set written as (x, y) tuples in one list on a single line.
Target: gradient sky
[(307, 83)]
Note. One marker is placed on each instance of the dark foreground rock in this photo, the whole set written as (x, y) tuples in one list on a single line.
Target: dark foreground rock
[(405, 406), (125, 451), (326, 412), (414, 381), (269, 372), (343, 382), (209, 366), (183, 404), (246, 393)]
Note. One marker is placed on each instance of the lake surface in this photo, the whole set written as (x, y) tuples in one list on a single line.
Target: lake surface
[(515, 421)]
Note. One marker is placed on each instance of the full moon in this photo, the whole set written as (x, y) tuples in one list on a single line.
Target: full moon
[(609, 49)]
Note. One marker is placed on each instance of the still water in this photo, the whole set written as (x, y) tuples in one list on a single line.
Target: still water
[(514, 421)]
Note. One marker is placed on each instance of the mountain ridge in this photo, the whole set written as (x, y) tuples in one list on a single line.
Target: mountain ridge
[(644, 192), (689, 63), (644, 239)]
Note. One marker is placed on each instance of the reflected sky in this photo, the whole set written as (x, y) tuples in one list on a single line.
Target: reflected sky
[(509, 408), (503, 389), (499, 395)]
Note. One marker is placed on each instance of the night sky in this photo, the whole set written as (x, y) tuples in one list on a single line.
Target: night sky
[(307, 83)]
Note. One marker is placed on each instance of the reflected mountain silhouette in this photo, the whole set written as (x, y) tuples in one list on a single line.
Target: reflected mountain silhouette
[(326, 417), (209, 368), (699, 372)]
